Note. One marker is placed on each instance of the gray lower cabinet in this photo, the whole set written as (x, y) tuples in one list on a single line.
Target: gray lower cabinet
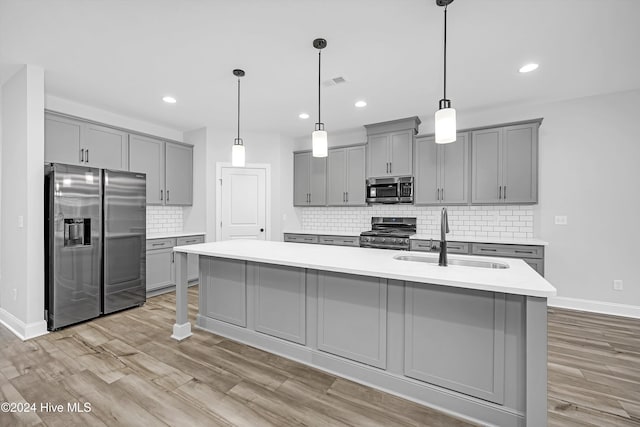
[(441, 171), (504, 164), (309, 180), (178, 174), (346, 176), (353, 306), (146, 155), (223, 291), (160, 264), (77, 142), (438, 343), (280, 301), (322, 239)]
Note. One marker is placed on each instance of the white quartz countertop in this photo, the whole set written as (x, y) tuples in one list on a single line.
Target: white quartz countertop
[(518, 279), (499, 240), (174, 234)]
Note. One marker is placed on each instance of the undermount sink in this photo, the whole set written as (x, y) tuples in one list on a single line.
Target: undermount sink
[(460, 262)]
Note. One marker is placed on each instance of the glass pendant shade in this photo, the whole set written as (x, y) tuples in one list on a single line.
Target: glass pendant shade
[(237, 155), (445, 125), (319, 143)]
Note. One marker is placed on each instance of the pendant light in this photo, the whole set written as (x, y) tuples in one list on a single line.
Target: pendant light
[(319, 136), (237, 151), (445, 116)]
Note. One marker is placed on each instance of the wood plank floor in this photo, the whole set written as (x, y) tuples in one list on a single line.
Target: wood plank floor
[(132, 373)]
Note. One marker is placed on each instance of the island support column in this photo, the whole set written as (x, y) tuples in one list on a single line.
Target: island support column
[(182, 327), (536, 362)]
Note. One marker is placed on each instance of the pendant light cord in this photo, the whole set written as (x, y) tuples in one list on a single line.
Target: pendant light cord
[(445, 52), (319, 62), (238, 108)]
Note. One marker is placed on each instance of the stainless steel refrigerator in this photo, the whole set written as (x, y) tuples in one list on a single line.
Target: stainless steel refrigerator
[(95, 242)]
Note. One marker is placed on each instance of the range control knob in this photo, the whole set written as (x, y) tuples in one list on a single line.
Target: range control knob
[(406, 241), (382, 239)]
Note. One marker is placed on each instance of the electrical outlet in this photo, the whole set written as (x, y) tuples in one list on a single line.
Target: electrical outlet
[(15, 294), (617, 285), (20, 221), (561, 220)]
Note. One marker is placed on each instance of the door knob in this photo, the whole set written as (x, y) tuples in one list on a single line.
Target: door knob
[(262, 230)]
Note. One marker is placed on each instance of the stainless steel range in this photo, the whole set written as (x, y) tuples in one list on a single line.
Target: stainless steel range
[(388, 233)]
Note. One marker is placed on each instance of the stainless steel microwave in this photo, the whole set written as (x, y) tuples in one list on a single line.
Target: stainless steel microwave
[(397, 189)]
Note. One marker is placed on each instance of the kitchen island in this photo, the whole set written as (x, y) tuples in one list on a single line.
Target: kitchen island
[(467, 340)]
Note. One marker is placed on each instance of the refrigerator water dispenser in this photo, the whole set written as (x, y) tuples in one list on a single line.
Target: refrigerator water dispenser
[(77, 231)]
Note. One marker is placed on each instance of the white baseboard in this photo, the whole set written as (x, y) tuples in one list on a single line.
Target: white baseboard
[(595, 306), (22, 330)]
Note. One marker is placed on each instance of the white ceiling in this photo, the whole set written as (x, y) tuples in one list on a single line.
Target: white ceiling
[(123, 56)]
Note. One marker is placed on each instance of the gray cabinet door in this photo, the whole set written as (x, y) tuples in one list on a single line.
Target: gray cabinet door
[(62, 140), (178, 174), (160, 271), (352, 317), (520, 164), (336, 175), (437, 342), (356, 176), (486, 166), (427, 184), (301, 178), (146, 155), (223, 293), (454, 164), (378, 155), (280, 301), (401, 153), (318, 181), (105, 147)]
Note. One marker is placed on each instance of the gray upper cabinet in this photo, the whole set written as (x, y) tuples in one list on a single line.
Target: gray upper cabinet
[(178, 174), (146, 155), (390, 147), (105, 147), (80, 143), (505, 164), (441, 171), (62, 140), (309, 180), (346, 176)]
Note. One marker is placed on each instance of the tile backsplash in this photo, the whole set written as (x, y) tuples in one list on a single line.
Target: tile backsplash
[(464, 221), (164, 219)]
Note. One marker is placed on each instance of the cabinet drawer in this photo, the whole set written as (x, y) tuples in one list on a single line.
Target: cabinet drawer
[(160, 244), (429, 246), (515, 251), (301, 238), (190, 240), (339, 240)]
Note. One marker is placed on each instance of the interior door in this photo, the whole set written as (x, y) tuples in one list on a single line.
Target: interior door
[(243, 203)]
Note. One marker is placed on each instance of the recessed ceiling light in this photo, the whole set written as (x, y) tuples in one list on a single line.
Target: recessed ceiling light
[(169, 99), (303, 115), (361, 104), (528, 68)]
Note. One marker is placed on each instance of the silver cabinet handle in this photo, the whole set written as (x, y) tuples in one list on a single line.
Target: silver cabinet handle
[(87, 156), (437, 194), (167, 195), (161, 198), (500, 192), (505, 192), (157, 244), (390, 167), (81, 155), (347, 194), (173, 256), (442, 194)]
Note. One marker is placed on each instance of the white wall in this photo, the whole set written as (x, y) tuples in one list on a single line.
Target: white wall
[(269, 148), (22, 246), (195, 217)]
